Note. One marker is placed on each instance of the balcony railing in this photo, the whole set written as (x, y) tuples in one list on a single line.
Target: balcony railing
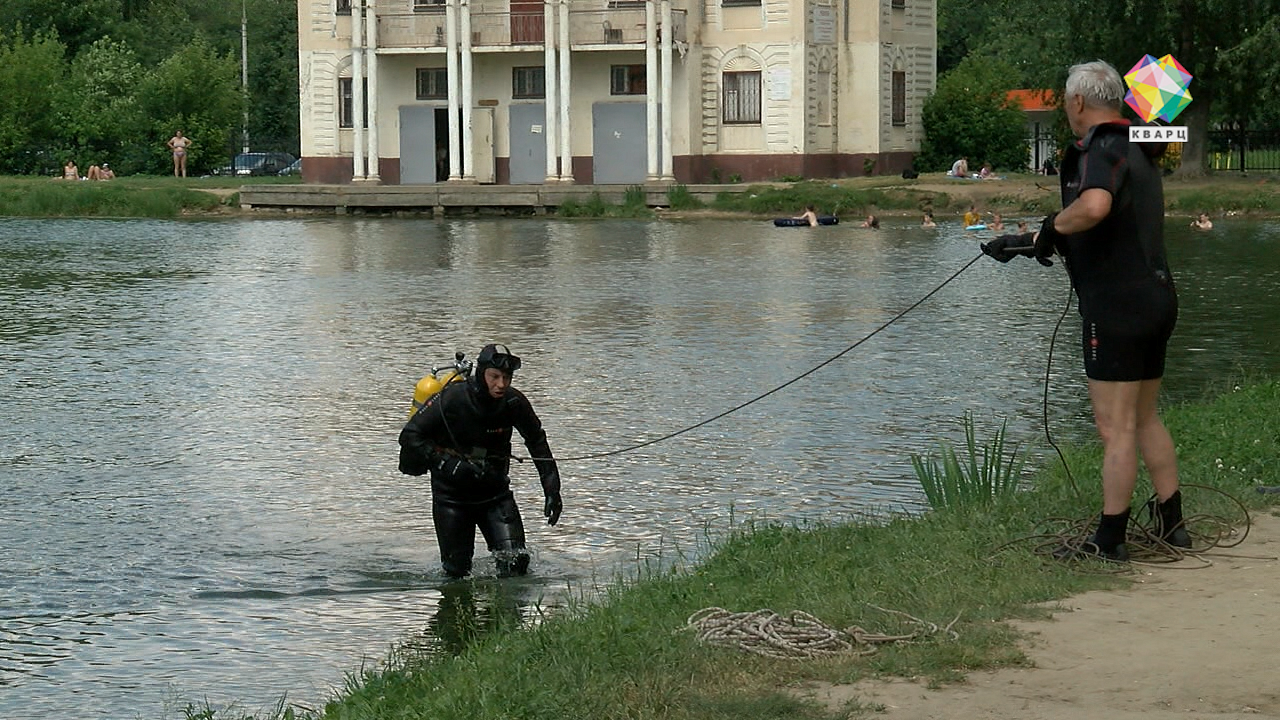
[(619, 26)]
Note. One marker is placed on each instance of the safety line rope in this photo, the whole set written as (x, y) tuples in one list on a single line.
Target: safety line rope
[(758, 398)]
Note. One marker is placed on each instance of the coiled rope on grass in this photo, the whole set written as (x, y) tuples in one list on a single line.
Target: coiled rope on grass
[(1067, 538), (799, 635)]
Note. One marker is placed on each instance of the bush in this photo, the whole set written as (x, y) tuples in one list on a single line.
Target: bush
[(969, 116)]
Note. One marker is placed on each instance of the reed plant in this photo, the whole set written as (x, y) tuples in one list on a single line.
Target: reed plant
[(985, 474)]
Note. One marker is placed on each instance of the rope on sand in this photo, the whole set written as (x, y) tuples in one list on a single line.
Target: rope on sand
[(799, 635)]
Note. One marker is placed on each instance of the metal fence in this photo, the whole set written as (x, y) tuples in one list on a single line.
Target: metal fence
[(1244, 151)]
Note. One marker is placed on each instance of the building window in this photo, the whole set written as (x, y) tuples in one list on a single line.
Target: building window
[(627, 80), (740, 3), (899, 97), (428, 5), (741, 98), (899, 4), (346, 103), (529, 82), (433, 83), (626, 4), (342, 7)]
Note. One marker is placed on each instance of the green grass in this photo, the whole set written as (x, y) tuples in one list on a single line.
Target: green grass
[(149, 197), (679, 198), (829, 198), (623, 654), (1195, 200), (634, 205)]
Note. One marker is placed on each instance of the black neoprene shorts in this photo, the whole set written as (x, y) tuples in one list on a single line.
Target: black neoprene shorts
[(1127, 358)]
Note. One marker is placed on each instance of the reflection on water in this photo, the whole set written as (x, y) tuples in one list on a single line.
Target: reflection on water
[(467, 610), (198, 495)]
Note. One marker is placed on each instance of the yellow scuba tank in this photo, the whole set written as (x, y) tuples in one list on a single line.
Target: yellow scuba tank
[(436, 380)]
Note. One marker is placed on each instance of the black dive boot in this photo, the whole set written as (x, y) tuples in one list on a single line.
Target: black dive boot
[(1107, 542), (1166, 521)]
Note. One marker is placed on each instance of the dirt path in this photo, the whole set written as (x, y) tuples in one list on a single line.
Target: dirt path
[(1181, 643)]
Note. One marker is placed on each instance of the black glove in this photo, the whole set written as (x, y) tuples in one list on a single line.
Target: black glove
[(448, 464), (552, 508), (1005, 247), (1050, 241)]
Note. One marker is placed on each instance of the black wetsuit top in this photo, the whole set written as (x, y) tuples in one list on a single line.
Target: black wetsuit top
[(463, 420), (1118, 266)]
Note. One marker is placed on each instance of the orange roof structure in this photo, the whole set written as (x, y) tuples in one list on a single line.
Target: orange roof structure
[(1033, 100)]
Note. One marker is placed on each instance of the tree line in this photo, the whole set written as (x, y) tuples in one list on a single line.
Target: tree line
[(111, 81), (988, 47)]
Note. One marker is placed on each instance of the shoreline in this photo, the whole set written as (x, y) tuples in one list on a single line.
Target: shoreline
[(1017, 196)]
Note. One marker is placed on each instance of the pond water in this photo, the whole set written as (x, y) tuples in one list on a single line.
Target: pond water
[(198, 489)]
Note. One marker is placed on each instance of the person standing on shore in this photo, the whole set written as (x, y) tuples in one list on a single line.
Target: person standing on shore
[(1110, 234), (179, 144)]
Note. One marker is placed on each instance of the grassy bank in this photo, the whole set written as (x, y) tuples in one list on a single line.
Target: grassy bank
[(1216, 194), (1017, 195), (142, 197), (625, 655)]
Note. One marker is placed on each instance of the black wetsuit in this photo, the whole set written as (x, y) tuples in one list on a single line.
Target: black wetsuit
[(1118, 267), (464, 435)]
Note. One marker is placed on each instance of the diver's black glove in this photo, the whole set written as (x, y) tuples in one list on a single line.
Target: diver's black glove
[(1050, 241), (1005, 247), (552, 508), (451, 464), (446, 464)]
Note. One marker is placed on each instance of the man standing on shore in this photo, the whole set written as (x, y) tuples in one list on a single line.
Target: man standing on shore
[(1110, 234)]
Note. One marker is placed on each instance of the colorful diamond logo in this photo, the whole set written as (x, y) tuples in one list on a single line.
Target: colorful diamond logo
[(1158, 88)]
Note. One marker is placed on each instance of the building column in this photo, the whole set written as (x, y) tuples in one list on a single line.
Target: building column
[(451, 69), (668, 114), (549, 86), (357, 91), (371, 45), (566, 142), (468, 148), (651, 87)]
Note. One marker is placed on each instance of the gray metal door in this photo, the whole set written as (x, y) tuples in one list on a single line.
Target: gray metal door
[(417, 144), (528, 144), (619, 139)]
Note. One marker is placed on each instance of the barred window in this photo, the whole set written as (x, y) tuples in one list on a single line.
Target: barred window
[(899, 97), (529, 82), (433, 83), (627, 80), (346, 103), (741, 98)]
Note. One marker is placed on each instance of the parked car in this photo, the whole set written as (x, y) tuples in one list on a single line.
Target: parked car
[(294, 169), (259, 163)]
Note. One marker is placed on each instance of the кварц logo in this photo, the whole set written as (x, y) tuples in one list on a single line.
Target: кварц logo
[(1158, 89)]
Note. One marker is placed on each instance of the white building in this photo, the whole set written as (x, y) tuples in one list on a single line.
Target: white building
[(458, 90)]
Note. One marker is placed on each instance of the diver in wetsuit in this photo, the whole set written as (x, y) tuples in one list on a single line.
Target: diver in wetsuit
[(463, 434)]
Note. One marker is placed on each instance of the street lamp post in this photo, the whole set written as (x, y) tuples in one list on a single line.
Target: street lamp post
[(244, 73)]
